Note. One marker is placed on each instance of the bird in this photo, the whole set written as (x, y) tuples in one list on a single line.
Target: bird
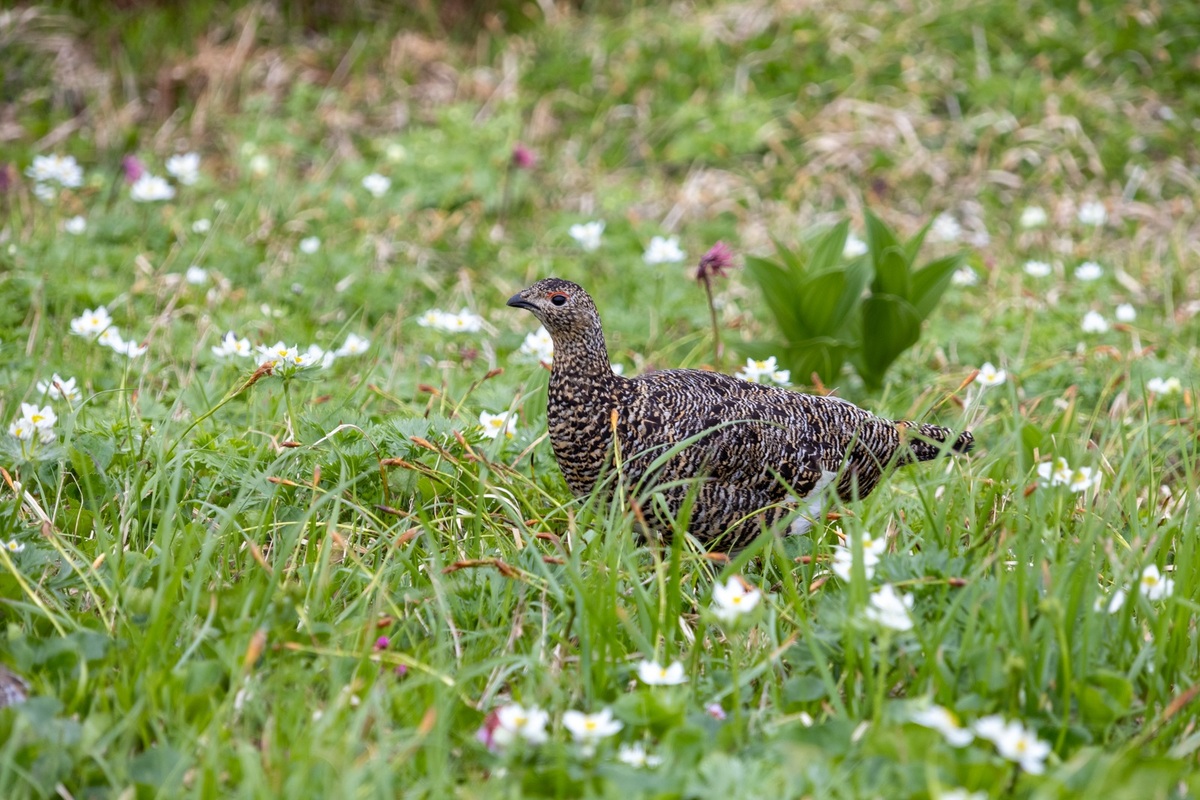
[(746, 455)]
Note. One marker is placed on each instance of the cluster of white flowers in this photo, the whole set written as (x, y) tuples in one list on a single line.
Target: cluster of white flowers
[(97, 325), (1165, 386), (663, 251), (1093, 322), (1033, 217), (587, 235), (890, 609), (511, 722), (945, 228), (1014, 742), (539, 345), (59, 388), (462, 322), (184, 168), (765, 372), (283, 357), (964, 276), (1061, 473), (734, 599), (493, 425), (34, 423), (843, 557), (376, 185), (990, 376), (854, 247), (54, 169)]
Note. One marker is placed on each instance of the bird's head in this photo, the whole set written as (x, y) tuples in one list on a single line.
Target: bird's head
[(563, 307)]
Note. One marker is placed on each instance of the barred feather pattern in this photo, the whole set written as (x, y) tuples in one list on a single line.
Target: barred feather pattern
[(758, 450)]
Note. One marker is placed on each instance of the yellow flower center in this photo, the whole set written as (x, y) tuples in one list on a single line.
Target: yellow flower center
[(590, 725)]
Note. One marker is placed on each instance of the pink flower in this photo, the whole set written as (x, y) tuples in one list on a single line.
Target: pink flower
[(133, 169), (715, 262), (523, 157), (381, 643)]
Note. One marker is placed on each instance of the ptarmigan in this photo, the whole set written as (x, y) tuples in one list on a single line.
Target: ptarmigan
[(760, 452)]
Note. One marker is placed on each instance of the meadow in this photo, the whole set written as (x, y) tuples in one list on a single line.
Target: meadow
[(278, 512)]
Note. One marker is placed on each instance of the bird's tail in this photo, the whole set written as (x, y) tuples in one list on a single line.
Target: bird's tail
[(927, 442)]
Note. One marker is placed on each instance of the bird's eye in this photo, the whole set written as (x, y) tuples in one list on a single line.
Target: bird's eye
[(558, 298)]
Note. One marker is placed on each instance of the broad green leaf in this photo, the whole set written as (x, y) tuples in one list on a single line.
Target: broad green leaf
[(890, 326), (827, 250), (913, 246), (791, 260), (892, 273), (931, 281), (779, 291), (821, 305)]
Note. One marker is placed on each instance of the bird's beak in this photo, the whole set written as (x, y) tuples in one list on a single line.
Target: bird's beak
[(519, 301)]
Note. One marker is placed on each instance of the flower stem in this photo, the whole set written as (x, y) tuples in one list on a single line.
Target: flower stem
[(718, 349)]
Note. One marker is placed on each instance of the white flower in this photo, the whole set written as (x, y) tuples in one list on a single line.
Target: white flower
[(1055, 473), (22, 429), (59, 388), (945, 228), (185, 168), (201, 225), (528, 723), (1083, 478), (990, 376), (962, 794), (652, 673), (75, 225), (197, 276), (111, 338), (539, 345), (13, 546), (663, 251), (493, 424), (1014, 742), (733, 599), (1033, 217), (618, 369), (354, 345), (854, 247), (843, 557), (1112, 604), (91, 323), (433, 318), (964, 276), (465, 322), (260, 165), (314, 356), (944, 722), (35, 420), (279, 354), (63, 170), (1126, 313), (231, 345), (1037, 269), (1088, 271), (130, 348), (1093, 213), (1152, 584), (591, 728), (890, 609), (764, 371), (588, 234), (150, 189), (1093, 322), (376, 184), (1164, 387), (635, 755), (978, 238), (310, 245), (44, 192)]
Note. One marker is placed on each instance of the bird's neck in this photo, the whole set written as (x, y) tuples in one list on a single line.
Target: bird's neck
[(582, 354)]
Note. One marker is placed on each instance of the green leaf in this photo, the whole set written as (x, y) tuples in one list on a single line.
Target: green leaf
[(779, 291), (827, 250), (890, 326), (913, 245), (891, 263), (824, 301), (931, 281)]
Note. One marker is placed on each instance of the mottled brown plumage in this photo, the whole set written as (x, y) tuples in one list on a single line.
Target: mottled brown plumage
[(765, 448)]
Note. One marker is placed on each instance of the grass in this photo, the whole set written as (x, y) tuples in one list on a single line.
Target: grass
[(210, 561)]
